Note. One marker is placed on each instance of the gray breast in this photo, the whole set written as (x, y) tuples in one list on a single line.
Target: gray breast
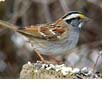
[(59, 47)]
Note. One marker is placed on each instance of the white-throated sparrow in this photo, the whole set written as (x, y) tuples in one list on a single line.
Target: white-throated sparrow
[(56, 38)]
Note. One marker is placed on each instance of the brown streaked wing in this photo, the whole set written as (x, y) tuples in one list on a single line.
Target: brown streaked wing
[(48, 32)]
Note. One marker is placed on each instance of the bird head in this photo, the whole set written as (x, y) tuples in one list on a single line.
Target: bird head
[(75, 18)]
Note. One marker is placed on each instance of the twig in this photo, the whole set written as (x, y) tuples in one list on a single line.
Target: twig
[(94, 66), (64, 5)]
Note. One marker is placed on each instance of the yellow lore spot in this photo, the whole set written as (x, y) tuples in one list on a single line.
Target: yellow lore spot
[(82, 16)]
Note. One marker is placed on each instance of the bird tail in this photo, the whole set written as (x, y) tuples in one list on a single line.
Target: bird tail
[(15, 28), (8, 25)]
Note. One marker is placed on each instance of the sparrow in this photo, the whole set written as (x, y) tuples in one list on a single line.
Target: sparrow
[(55, 38)]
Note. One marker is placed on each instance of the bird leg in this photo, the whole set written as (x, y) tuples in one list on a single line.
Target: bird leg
[(38, 53), (40, 56)]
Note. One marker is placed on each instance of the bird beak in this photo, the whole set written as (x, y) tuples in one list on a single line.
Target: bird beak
[(86, 19), (83, 21)]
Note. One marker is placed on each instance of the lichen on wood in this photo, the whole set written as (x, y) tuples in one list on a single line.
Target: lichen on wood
[(54, 71)]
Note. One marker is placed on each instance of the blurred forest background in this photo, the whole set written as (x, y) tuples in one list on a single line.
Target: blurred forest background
[(14, 51)]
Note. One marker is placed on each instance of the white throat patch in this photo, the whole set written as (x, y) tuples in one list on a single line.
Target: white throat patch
[(80, 25)]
